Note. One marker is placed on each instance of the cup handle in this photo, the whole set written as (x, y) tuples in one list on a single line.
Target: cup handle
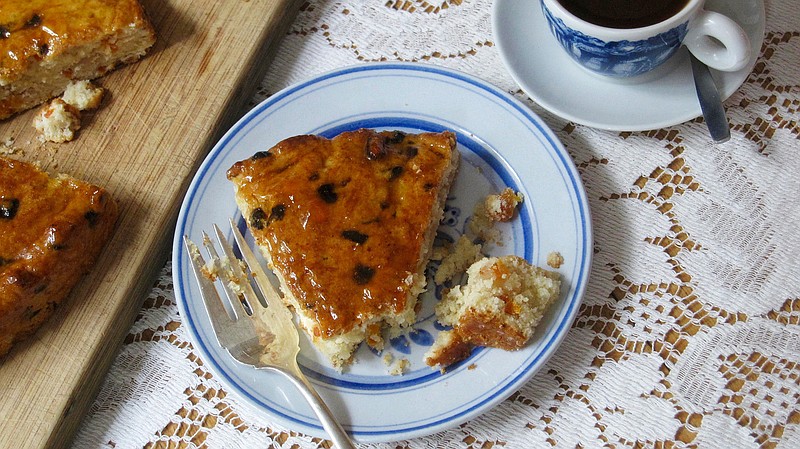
[(718, 42)]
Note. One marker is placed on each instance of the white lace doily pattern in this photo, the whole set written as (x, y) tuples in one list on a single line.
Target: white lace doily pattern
[(689, 333)]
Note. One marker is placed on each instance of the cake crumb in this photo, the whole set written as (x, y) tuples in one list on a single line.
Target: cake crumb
[(463, 254), (502, 207), (439, 252), (57, 121), (555, 259), (7, 147), (387, 359), (481, 225), (494, 208), (400, 367), (83, 95), (472, 366)]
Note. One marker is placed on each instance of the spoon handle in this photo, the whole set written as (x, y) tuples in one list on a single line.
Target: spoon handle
[(710, 102)]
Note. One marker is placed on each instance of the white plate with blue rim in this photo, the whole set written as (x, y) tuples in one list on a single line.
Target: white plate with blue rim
[(503, 144), (664, 97)]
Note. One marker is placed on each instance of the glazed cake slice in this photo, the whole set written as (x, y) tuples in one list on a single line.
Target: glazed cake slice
[(347, 225), (51, 231), (45, 44)]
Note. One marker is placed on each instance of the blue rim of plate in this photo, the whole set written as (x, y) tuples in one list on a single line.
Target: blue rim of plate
[(556, 332)]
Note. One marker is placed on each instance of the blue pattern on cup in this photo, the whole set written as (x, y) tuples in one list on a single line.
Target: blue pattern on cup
[(618, 58)]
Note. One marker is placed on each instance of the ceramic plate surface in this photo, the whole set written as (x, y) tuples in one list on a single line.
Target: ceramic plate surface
[(502, 143), (664, 97)]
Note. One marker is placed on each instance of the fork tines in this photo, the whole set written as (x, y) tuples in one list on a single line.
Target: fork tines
[(234, 274), (228, 269)]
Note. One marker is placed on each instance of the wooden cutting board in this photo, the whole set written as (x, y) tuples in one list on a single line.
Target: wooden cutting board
[(162, 116)]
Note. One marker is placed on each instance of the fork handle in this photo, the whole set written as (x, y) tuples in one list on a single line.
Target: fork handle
[(335, 430)]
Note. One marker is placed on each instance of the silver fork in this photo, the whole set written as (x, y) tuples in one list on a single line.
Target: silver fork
[(255, 333)]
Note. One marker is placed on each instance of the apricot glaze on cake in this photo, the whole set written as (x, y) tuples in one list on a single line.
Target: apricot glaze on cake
[(347, 226), (45, 44), (51, 231)]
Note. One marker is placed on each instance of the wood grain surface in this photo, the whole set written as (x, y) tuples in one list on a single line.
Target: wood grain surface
[(160, 118)]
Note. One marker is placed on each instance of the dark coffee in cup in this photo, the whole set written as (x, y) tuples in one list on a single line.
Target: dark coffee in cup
[(623, 13)]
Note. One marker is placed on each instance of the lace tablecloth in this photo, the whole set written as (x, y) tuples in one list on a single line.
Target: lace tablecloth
[(689, 333)]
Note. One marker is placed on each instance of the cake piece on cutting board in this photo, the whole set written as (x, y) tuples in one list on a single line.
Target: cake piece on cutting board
[(51, 231), (347, 226), (45, 44)]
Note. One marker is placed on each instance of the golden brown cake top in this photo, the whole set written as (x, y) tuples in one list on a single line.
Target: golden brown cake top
[(345, 219), (32, 30), (38, 212)]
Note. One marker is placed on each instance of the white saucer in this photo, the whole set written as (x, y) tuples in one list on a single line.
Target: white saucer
[(662, 98)]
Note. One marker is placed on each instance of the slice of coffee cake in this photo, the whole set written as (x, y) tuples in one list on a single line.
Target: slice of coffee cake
[(45, 44), (52, 229), (347, 225)]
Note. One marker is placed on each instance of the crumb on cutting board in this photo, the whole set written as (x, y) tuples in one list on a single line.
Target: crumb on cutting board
[(7, 147), (57, 121), (83, 95)]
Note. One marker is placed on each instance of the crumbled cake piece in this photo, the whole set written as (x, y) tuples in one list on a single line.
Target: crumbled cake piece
[(555, 259), (494, 208), (7, 146), (447, 349), (83, 95), (347, 224), (440, 252), (400, 367), (480, 225), (503, 301), (502, 207), (500, 306), (61, 118), (463, 254), (57, 121), (46, 44)]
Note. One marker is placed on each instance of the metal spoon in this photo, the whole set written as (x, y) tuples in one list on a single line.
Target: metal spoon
[(710, 102)]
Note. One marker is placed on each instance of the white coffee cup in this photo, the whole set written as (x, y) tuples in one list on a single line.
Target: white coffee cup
[(713, 38)]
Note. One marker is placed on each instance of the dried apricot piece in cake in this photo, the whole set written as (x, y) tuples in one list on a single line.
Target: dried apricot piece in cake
[(500, 306), (347, 226), (45, 44), (51, 231)]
